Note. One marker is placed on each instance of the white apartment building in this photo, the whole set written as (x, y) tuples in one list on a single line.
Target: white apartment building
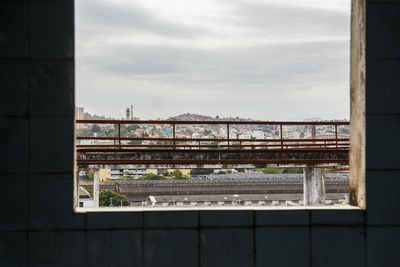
[(125, 173)]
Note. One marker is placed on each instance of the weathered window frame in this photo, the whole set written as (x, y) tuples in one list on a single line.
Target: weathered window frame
[(357, 105), (357, 160)]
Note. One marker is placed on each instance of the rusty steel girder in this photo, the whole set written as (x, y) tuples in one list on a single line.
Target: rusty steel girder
[(223, 151)]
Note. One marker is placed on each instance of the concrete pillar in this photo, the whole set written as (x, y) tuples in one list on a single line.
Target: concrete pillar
[(96, 188), (314, 186)]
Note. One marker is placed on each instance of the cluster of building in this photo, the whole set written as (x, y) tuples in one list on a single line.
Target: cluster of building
[(257, 132), (107, 174)]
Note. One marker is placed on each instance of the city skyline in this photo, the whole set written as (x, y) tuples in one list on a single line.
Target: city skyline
[(274, 60), (192, 116)]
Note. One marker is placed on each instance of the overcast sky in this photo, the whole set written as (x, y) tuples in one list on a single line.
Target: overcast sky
[(264, 59)]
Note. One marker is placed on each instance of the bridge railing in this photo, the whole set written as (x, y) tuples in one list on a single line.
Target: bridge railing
[(174, 140)]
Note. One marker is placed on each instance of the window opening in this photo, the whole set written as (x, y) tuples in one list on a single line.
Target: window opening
[(255, 64)]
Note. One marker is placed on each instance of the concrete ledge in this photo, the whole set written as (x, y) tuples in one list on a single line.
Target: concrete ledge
[(283, 208)]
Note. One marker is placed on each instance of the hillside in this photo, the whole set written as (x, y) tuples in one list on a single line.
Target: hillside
[(198, 117)]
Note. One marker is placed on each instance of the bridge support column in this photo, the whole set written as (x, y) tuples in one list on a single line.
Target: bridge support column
[(96, 188), (313, 186)]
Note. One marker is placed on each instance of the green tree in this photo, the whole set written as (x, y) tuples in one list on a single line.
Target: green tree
[(108, 196), (127, 175), (293, 170), (151, 176), (201, 171), (83, 132), (96, 128), (132, 127), (91, 174), (164, 172), (271, 170), (110, 132), (214, 143), (123, 131), (177, 175)]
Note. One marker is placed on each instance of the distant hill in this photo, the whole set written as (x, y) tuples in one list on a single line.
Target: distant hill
[(194, 117), (198, 117), (313, 119), (191, 117), (319, 119)]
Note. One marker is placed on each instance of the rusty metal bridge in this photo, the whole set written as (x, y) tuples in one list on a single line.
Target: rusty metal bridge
[(174, 149)]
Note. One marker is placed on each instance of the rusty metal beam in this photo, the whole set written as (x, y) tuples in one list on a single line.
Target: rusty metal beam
[(208, 139), (214, 151), (252, 147), (222, 161), (316, 146), (215, 122)]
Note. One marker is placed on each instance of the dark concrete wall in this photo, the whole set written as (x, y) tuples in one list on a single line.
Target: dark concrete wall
[(37, 223)]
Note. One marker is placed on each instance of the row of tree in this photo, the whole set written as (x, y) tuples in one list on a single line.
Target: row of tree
[(175, 175), (281, 170), (111, 198), (178, 175), (107, 197)]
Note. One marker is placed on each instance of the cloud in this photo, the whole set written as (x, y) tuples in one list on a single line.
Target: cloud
[(290, 22), (99, 16), (263, 65), (271, 62)]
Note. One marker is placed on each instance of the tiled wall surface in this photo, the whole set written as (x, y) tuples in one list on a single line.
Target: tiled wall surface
[(38, 226)]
